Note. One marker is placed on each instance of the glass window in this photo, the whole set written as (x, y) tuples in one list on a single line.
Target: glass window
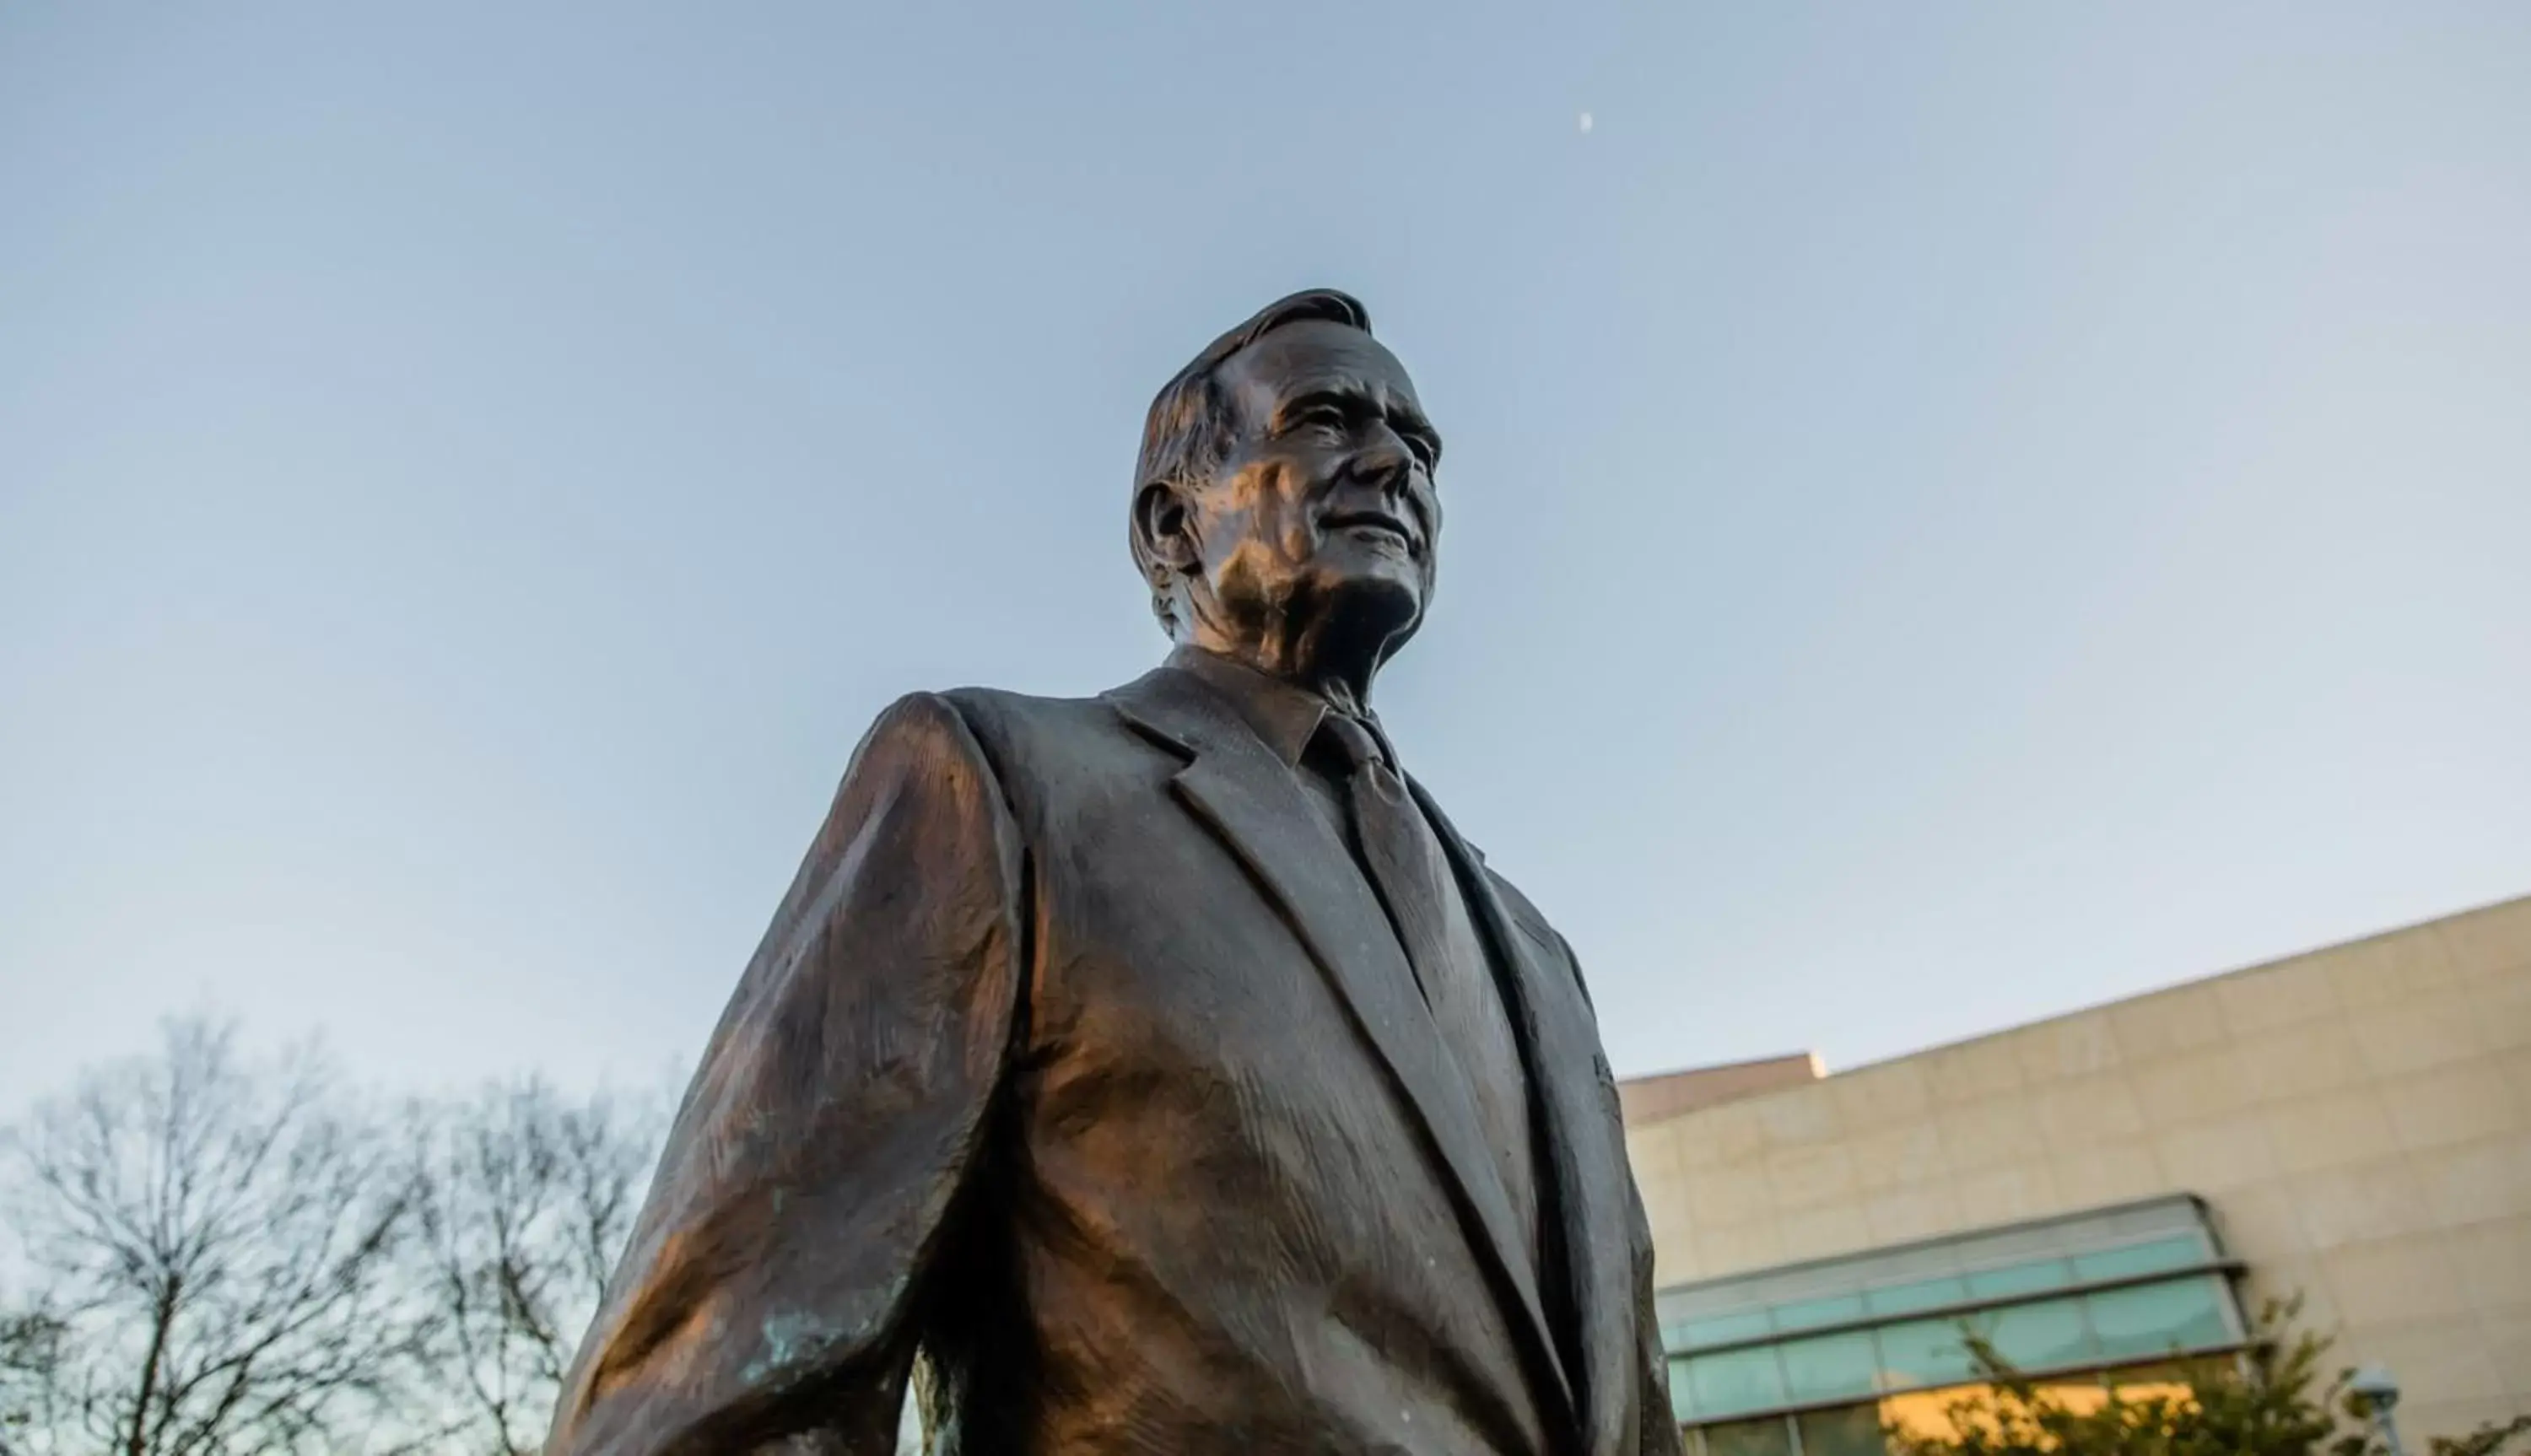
[(2140, 1259), (2163, 1372), (1849, 1431), (2020, 1278), (1825, 1366), (1682, 1400), (2149, 1319), (2040, 1336), (1736, 1380), (2166, 1380), (1922, 1352), (1906, 1299), (1810, 1314), (1926, 1414), (1724, 1329), (1772, 1437)]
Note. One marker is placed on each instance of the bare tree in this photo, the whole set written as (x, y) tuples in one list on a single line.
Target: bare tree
[(31, 1388), (215, 1241), (233, 1257), (526, 1197)]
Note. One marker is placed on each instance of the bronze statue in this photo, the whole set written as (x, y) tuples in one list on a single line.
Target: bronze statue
[(1161, 1066)]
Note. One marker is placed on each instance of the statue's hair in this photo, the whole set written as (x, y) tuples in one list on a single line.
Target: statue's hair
[(1189, 430)]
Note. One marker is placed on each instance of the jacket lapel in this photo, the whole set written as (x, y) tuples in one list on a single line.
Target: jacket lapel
[(1591, 1259), (1246, 796)]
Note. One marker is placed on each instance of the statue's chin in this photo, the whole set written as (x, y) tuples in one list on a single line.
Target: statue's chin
[(1364, 620), (1343, 621)]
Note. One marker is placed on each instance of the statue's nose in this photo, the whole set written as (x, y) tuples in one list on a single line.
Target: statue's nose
[(1386, 464)]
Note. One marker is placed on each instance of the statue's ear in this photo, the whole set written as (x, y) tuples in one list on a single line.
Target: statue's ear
[(1165, 528)]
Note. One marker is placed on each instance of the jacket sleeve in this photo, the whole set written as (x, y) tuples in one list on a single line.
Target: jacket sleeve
[(1657, 1430), (769, 1289), (1659, 1434)]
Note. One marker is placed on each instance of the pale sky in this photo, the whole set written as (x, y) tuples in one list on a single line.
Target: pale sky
[(1956, 513)]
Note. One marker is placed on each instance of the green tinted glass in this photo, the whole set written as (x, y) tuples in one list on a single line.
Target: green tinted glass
[(2040, 1336), (1922, 1352), (2020, 1278), (2140, 1259), (2149, 1319), (1849, 1431), (1772, 1437), (1906, 1299), (1825, 1366), (1735, 1380), (1810, 1314), (1683, 1399), (1724, 1329)]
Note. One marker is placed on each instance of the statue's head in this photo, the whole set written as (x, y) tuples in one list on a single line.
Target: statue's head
[(1284, 511)]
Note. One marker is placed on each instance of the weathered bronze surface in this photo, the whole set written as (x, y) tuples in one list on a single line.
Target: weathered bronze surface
[(1161, 1066)]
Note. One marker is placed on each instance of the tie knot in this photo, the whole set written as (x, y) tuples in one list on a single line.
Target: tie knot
[(1357, 741)]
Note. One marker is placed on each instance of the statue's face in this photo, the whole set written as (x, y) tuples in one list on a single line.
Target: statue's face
[(1322, 520)]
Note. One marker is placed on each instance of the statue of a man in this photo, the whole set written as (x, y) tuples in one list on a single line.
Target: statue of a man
[(1161, 1066)]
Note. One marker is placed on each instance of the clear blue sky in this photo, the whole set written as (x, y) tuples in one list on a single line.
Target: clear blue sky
[(1956, 512)]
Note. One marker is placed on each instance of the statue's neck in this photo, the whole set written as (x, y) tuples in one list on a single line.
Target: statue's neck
[(1344, 683)]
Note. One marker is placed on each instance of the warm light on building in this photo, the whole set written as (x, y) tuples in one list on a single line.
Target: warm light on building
[(2106, 1192)]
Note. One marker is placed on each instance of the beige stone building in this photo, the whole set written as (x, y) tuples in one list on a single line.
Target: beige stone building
[(2104, 1191)]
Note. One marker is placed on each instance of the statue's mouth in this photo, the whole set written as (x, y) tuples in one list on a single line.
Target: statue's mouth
[(1378, 524)]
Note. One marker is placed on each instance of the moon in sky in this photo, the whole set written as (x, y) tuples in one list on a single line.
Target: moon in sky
[(1585, 123)]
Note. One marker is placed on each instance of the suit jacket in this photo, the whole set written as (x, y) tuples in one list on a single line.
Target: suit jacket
[(1081, 1057)]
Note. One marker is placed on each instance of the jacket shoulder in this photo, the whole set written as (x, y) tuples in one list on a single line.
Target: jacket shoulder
[(1525, 909), (998, 705), (1533, 924), (1031, 743), (916, 728), (1025, 728)]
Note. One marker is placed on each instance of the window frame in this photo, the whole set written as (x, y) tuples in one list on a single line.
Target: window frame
[(2180, 1223)]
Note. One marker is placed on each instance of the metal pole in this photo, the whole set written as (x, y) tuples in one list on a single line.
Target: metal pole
[(2389, 1430)]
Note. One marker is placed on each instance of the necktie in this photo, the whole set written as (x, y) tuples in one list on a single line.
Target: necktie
[(1405, 865), (1404, 860)]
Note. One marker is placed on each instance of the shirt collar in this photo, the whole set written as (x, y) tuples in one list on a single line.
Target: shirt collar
[(1283, 717)]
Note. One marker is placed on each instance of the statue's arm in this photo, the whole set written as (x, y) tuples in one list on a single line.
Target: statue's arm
[(771, 1282), (1658, 1432), (1660, 1435)]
